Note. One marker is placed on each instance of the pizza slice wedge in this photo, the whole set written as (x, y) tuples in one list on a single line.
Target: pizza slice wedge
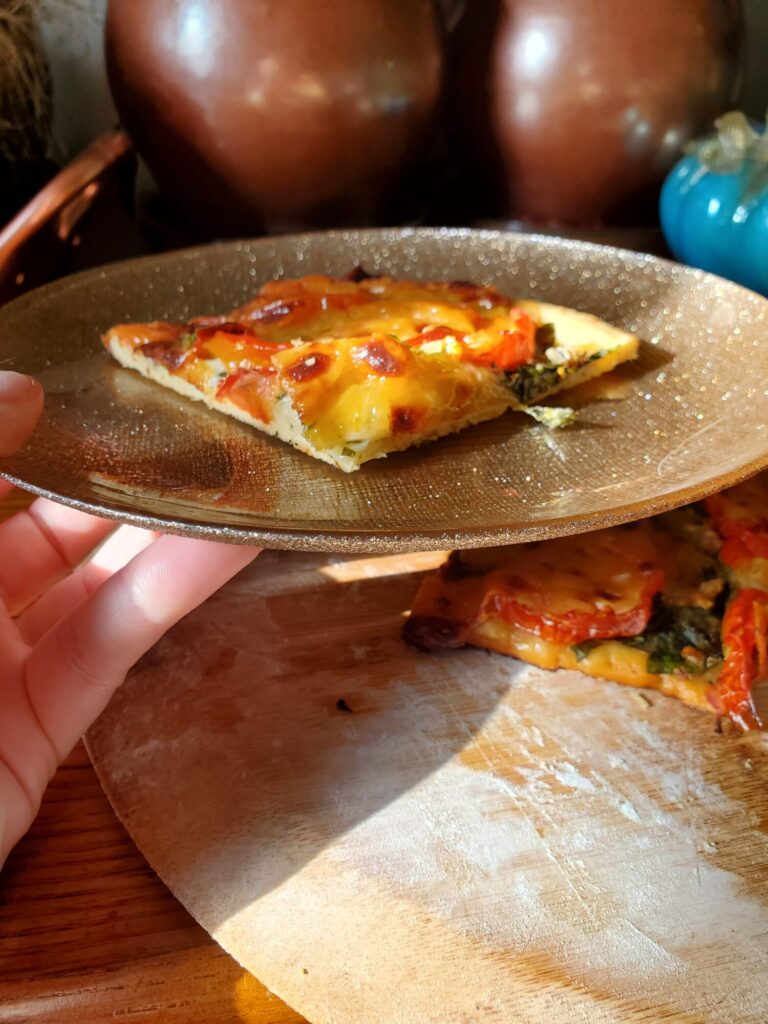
[(651, 604), (352, 370)]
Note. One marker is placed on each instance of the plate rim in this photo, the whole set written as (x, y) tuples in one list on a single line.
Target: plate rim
[(388, 540), (402, 542), (427, 231)]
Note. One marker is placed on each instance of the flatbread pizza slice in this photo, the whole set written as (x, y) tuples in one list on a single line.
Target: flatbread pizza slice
[(349, 370), (653, 604)]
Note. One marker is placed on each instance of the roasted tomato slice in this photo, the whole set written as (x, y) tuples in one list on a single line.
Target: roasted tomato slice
[(253, 390), (234, 348), (170, 353), (594, 587), (745, 642), (741, 514), (735, 553), (432, 334), (566, 591), (514, 347), (205, 331), (139, 335), (292, 302)]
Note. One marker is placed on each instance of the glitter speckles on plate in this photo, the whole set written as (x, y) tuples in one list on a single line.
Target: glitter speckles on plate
[(690, 417)]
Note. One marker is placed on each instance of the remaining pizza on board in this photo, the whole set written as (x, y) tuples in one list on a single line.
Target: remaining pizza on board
[(351, 369), (678, 602)]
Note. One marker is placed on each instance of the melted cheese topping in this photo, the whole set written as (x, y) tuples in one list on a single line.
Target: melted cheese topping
[(611, 660), (371, 366)]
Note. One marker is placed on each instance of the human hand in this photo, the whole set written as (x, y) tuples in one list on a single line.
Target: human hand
[(80, 602)]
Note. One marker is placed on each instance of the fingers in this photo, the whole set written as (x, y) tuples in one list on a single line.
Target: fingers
[(77, 665), (66, 596), (40, 545), (21, 402)]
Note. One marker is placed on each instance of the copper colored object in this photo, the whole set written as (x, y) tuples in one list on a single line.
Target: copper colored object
[(32, 241), (295, 113), (686, 419), (584, 104)]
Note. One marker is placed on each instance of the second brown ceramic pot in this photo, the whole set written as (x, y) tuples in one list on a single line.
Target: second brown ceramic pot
[(585, 104), (276, 113)]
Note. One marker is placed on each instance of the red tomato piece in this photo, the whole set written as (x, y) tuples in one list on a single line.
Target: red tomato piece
[(745, 642), (141, 335), (433, 334), (292, 302), (516, 347), (575, 589), (735, 553), (206, 331), (573, 627), (756, 542), (253, 390), (280, 302), (236, 347), (169, 353), (741, 514)]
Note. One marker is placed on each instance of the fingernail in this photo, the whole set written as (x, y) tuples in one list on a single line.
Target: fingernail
[(15, 387)]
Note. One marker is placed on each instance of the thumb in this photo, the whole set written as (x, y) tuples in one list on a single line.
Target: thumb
[(21, 402)]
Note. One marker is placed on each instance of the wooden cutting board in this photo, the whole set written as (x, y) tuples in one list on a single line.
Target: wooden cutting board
[(390, 837)]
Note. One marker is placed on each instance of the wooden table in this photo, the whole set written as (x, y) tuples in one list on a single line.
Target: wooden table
[(89, 933)]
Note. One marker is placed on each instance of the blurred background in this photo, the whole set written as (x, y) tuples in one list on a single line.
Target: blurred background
[(73, 40), (258, 116)]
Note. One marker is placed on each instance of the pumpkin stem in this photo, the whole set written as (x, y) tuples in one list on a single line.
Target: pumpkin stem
[(735, 141)]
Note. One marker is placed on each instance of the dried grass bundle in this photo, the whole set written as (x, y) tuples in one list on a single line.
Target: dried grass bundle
[(25, 85)]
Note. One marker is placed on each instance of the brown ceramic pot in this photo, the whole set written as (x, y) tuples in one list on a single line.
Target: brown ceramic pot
[(276, 113), (584, 104)]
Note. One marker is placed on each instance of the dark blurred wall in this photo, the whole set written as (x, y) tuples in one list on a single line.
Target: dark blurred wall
[(755, 86)]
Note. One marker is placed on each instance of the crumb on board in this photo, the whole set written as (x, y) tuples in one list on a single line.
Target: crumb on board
[(342, 705), (725, 726)]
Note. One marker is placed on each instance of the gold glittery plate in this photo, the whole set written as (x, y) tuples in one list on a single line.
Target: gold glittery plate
[(690, 417)]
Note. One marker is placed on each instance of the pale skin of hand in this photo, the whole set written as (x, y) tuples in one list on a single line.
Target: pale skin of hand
[(80, 602)]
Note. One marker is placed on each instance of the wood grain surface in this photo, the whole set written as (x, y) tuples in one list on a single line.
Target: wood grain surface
[(461, 841), (389, 837), (88, 933)]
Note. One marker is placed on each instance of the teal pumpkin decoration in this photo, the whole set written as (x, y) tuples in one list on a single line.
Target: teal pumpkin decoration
[(714, 203)]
